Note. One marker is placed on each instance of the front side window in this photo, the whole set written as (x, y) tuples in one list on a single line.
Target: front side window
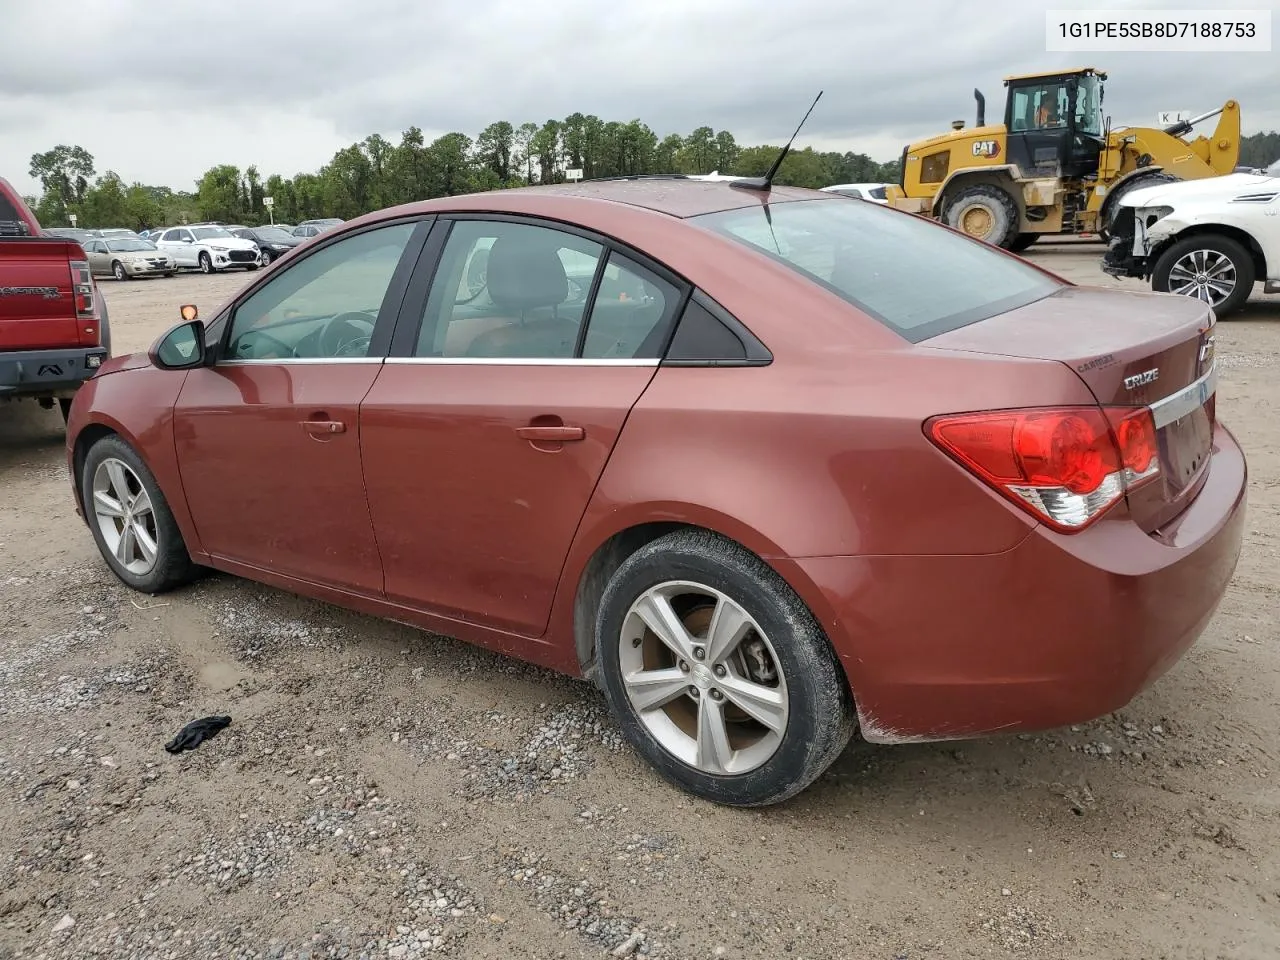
[(508, 290), (1088, 115), (323, 306), (917, 278)]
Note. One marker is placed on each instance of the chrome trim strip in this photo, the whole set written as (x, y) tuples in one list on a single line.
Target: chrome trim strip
[(246, 362), (527, 362), (1187, 400)]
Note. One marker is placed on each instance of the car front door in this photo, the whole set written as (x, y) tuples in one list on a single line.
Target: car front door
[(268, 437), (177, 243), (491, 422)]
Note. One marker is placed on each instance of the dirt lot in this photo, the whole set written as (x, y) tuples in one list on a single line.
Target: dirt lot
[(382, 792)]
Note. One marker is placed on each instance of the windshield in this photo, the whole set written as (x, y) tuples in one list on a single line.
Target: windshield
[(271, 233), (916, 277), (129, 246), (208, 233)]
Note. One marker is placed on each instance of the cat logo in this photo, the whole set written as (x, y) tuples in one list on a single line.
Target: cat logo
[(986, 148)]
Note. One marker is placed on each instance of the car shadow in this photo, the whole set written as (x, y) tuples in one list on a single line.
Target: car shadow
[(27, 429)]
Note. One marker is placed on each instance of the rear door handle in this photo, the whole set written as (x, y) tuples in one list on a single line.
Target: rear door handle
[(323, 428), (551, 434)]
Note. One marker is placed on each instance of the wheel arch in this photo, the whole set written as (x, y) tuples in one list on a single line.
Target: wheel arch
[(103, 425), (1239, 235), (631, 535), (1005, 176)]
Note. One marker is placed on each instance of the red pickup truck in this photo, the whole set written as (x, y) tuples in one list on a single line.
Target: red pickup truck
[(54, 332)]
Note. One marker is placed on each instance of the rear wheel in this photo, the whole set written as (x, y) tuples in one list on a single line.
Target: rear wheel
[(1209, 267), (985, 212), (718, 673), (131, 520)]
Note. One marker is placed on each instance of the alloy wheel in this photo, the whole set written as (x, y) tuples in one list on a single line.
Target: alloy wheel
[(703, 678), (123, 511), (1207, 275)]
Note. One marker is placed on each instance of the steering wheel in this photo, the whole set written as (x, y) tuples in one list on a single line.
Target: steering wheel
[(246, 346), (346, 335)]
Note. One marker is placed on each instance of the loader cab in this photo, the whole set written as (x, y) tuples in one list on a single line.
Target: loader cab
[(1054, 123)]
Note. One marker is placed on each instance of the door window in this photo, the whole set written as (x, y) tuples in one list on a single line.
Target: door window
[(324, 306), (508, 291)]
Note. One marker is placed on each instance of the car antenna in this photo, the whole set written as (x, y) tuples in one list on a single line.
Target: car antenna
[(766, 182)]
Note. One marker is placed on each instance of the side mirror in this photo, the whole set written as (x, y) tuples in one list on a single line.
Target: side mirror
[(182, 347)]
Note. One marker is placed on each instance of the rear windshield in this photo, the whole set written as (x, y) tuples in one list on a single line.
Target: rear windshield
[(915, 277)]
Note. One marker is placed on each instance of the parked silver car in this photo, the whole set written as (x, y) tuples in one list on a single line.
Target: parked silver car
[(126, 257)]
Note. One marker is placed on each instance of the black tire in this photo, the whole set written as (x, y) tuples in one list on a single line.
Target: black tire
[(64, 405), (170, 273), (266, 258), (1000, 207), (104, 320), (1241, 261), (1022, 241), (173, 566), (118, 271), (1111, 206), (206, 262), (821, 716)]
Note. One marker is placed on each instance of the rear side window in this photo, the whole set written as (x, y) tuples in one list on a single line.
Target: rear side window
[(917, 278), (878, 193), (11, 222)]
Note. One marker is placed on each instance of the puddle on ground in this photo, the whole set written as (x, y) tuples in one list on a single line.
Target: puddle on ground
[(222, 676)]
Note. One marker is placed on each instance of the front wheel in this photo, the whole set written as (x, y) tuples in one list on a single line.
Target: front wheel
[(206, 263), (130, 519), (266, 258), (118, 271), (985, 212), (1209, 267), (717, 672)]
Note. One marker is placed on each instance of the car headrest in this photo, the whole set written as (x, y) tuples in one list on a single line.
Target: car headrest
[(525, 271)]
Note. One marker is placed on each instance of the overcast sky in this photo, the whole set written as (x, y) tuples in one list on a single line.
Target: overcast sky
[(160, 92)]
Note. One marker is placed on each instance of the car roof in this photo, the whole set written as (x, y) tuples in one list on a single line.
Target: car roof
[(675, 196)]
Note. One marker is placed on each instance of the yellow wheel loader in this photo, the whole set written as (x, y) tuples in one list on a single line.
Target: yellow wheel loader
[(1053, 166)]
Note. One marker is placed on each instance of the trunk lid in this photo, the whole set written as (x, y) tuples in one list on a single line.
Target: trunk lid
[(37, 307), (1130, 349)]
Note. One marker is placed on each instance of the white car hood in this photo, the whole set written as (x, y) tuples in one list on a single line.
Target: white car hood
[(1208, 188), (229, 243)]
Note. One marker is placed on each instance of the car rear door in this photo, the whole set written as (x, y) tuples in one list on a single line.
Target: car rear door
[(268, 437), (493, 418)]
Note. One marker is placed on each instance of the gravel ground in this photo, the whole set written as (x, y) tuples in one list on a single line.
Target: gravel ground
[(386, 793)]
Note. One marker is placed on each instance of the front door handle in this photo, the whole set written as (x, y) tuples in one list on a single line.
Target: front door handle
[(551, 434), (323, 428)]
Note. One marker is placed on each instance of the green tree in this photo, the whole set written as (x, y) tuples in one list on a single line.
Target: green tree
[(64, 172), (220, 194), (495, 148)]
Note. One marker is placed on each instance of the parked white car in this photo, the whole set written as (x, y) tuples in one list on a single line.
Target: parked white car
[(1212, 239), (875, 192), (208, 248)]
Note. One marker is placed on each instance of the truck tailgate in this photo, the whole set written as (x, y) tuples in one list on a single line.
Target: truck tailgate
[(37, 307)]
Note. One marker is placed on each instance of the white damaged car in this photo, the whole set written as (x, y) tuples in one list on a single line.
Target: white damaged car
[(1213, 239)]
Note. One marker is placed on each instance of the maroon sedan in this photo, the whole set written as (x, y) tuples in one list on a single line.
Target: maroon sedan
[(766, 466)]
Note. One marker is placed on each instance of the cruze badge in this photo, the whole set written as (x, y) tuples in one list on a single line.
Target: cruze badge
[(1141, 379)]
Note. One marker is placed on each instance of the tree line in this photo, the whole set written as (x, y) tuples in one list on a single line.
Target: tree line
[(375, 173)]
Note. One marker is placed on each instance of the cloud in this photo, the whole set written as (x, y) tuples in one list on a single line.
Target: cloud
[(160, 94)]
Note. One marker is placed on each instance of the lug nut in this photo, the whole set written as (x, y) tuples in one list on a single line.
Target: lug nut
[(717, 695), (693, 691), (699, 653), (720, 670), (684, 667)]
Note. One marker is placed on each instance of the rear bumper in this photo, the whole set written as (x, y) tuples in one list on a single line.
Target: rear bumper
[(1060, 629), (48, 373)]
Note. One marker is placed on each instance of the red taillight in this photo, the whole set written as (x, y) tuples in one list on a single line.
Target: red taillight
[(1066, 466), (82, 289)]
